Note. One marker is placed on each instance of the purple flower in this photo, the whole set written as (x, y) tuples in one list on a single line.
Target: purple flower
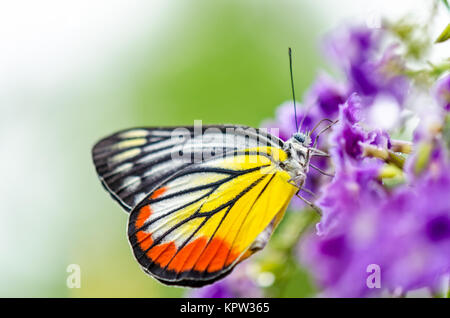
[(438, 228), (423, 255), (236, 285), (388, 75), (348, 137), (405, 231), (347, 46), (220, 289), (351, 111), (442, 92), (327, 95), (356, 50), (379, 138), (355, 176), (339, 258), (350, 190)]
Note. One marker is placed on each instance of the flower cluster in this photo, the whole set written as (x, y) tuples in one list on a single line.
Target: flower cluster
[(404, 230), (356, 52), (401, 227)]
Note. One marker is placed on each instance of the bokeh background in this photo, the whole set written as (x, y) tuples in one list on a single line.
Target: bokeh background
[(72, 72)]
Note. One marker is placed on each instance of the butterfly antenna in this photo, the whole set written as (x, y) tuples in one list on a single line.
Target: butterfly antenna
[(304, 116), (292, 85), (324, 130), (320, 122)]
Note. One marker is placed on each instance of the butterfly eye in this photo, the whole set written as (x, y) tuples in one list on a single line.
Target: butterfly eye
[(300, 137)]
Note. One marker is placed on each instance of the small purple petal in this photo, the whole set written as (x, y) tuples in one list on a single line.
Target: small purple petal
[(442, 92), (438, 228), (333, 247), (327, 95)]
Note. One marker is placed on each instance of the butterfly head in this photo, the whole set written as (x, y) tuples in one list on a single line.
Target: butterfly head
[(298, 157)]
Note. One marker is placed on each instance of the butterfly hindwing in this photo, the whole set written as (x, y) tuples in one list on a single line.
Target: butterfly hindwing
[(196, 225), (132, 162)]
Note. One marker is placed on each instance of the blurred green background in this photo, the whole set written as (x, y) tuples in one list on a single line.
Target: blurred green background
[(77, 72)]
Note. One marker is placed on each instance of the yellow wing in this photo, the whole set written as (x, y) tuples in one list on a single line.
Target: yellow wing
[(197, 225)]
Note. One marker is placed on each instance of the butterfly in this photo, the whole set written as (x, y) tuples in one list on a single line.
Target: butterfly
[(201, 200)]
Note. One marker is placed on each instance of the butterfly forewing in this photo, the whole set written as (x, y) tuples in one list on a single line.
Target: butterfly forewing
[(131, 163)]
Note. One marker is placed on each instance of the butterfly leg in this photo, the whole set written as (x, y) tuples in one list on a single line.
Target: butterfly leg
[(291, 181), (308, 191), (321, 171), (312, 205), (319, 153)]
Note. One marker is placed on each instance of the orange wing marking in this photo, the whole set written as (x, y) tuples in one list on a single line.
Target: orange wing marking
[(145, 239)]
